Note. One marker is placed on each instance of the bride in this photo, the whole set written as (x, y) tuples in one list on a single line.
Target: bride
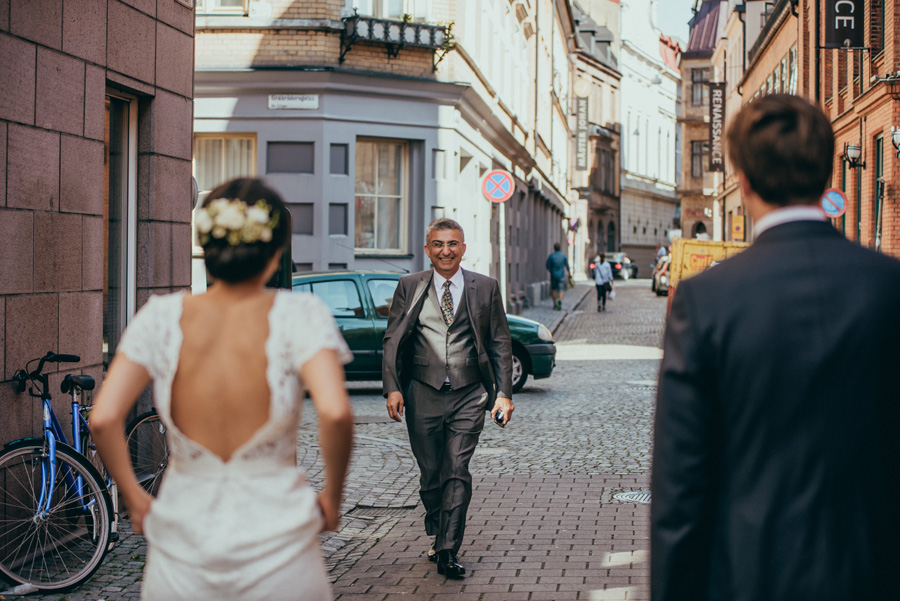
[(235, 517)]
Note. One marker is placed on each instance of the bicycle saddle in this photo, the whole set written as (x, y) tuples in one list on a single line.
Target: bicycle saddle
[(82, 382)]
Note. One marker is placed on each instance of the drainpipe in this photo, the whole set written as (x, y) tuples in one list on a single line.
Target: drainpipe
[(816, 50)]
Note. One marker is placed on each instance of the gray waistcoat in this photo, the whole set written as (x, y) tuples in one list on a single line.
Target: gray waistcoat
[(438, 352)]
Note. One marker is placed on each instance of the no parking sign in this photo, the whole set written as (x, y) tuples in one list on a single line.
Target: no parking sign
[(834, 203), (498, 186)]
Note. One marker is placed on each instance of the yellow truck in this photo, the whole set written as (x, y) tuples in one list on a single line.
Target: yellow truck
[(690, 257)]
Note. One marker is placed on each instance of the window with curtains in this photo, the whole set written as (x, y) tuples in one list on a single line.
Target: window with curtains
[(221, 157), (381, 196)]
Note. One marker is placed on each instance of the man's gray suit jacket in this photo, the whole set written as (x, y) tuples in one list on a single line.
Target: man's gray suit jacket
[(490, 328)]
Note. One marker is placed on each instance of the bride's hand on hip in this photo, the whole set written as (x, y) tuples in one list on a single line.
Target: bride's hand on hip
[(138, 509), (331, 511)]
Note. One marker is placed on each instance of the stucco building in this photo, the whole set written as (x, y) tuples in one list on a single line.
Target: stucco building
[(596, 173), (372, 118), (700, 214), (95, 180), (650, 88)]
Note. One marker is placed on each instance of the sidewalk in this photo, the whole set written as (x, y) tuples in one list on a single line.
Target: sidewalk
[(528, 538), (544, 312)]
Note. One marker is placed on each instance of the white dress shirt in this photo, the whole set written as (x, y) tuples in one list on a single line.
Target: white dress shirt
[(787, 215), (456, 288)]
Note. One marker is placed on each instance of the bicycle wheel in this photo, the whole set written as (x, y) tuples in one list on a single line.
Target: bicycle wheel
[(89, 450), (149, 449), (63, 547)]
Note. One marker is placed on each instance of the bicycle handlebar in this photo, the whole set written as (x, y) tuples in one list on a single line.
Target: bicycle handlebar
[(24, 375)]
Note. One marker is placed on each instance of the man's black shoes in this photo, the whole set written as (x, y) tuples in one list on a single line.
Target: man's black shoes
[(448, 565)]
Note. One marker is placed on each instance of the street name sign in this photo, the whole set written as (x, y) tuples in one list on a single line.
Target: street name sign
[(303, 102), (498, 186)]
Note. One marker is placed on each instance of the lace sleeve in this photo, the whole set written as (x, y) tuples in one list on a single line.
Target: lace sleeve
[(138, 339), (312, 328)]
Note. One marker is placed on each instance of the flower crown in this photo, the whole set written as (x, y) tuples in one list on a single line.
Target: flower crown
[(235, 222)]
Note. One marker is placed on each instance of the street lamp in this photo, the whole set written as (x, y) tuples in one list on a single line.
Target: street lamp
[(852, 152), (895, 139)]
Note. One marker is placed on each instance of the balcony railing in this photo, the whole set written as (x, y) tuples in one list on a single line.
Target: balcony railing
[(395, 35)]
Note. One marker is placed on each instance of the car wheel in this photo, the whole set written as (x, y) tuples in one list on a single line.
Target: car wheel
[(653, 284), (519, 370)]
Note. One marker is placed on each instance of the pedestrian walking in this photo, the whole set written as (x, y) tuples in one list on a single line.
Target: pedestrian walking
[(558, 266), (234, 519), (447, 359), (603, 279), (776, 461)]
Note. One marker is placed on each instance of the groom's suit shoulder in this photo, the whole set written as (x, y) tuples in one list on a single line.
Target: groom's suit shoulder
[(480, 278)]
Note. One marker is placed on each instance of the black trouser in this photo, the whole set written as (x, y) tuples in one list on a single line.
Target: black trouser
[(601, 295), (443, 431)]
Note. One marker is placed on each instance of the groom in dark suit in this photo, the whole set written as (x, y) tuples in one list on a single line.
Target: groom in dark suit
[(776, 459), (447, 359)]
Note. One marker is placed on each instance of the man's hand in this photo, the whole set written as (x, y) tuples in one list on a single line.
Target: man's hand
[(501, 403), (395, 405)]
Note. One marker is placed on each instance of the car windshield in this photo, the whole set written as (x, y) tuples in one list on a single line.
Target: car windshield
[(382, 295)]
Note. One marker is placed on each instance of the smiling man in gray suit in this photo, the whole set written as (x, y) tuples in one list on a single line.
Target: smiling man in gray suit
[(447, 359)]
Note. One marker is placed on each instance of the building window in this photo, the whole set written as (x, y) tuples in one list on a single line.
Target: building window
[(338, 163), (337, 219), (699, 154), (222, 7), (302, 218), (119, 220), (699, 89), (381, 195), (879, 183), (876, 25), (290, 157), (793, 69), (384, 9), (221, 157)]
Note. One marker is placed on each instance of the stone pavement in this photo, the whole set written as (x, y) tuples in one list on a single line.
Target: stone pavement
[(543, 523)]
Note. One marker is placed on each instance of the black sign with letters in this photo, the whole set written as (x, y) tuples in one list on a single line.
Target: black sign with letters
[(845, 24), (716, 126)]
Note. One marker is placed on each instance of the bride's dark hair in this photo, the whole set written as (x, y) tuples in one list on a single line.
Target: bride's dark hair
[(235, 263)]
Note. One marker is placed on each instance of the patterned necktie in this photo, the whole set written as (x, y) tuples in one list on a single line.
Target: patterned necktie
[(447, 304)]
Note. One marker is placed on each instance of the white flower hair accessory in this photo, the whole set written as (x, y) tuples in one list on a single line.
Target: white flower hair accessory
[(235, 222)]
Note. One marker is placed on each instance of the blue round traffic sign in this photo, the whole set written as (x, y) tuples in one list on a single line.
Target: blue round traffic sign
[(498, 186), (834, 203)]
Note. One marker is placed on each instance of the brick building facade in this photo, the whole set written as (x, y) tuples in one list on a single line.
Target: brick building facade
[(95, 179), (859, 89)]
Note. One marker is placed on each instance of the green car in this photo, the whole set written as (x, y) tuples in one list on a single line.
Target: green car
[(361, 300)]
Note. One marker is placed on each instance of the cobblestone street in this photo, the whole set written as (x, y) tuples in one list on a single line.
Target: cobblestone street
[(543, 523)]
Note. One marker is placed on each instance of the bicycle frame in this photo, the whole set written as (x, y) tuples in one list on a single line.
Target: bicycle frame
[(53, 432)]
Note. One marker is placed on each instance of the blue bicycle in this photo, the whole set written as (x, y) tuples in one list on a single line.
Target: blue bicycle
[(57, 516)]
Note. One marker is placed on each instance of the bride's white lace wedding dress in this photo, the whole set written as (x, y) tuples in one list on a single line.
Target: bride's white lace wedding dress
[(247, 528)]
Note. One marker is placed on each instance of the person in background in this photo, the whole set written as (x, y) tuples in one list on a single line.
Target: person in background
[(603, 279), (776, 460), (558, 266)]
